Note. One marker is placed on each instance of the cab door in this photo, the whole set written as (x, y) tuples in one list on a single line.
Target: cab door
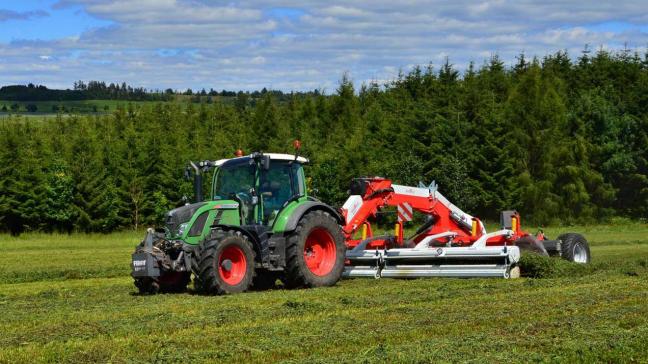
[(280, 183)]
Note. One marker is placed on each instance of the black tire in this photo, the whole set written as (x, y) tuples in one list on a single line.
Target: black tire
[(575, 248), (210, 278), (264, 280), (297, 273)]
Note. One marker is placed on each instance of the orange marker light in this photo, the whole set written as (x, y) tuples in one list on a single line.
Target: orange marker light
[(514, 224)]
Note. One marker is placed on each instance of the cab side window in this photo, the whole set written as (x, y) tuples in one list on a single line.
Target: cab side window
[(298, 182), (276, 187)]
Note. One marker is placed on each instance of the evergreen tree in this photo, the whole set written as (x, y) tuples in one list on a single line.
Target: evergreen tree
[(60, 213)]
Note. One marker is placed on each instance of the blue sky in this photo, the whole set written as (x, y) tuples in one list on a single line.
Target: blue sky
[(291, 45), (44, 22)]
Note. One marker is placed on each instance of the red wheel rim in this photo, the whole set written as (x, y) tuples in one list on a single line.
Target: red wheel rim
[(232, 265), (320, 252)]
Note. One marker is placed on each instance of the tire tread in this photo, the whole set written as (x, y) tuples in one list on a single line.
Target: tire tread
[(296, 274), (205, 271)]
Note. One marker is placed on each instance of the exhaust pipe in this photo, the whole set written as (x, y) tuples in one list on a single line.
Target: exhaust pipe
[(197, 181)]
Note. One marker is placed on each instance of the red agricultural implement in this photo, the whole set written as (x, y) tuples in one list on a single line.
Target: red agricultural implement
[(451, 243)]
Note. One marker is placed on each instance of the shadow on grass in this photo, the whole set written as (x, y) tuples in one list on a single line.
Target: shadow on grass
[(193, 292)]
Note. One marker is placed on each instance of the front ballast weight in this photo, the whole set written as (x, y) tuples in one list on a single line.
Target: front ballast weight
[(144, 262), (159, 265)]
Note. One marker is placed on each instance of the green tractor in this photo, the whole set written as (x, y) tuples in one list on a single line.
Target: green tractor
[(257, 226)]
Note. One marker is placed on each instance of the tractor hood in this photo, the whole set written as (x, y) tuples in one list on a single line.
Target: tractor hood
[(181, 215)]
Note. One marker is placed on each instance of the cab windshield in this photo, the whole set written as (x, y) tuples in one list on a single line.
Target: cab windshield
[(234, 179), (262, 193)]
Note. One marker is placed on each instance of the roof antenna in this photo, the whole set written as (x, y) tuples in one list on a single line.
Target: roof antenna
[(297, 146)]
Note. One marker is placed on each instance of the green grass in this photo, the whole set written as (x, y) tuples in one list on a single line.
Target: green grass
[(49, 108), (70, 299)]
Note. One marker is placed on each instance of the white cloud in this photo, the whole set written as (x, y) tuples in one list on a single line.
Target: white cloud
[(258, 60), (344, 11), (254, 44)]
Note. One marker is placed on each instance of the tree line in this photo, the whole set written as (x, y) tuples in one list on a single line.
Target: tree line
[(99, 90), (82, 91), (560, 140)]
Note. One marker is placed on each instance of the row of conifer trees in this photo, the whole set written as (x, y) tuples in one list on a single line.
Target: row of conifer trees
[(558, 139)]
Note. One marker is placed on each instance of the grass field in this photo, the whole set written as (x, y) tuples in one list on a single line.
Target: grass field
[(70, 299), (73, 107), (51, 108)]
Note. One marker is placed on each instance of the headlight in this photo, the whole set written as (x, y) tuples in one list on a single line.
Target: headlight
[(182, 228)]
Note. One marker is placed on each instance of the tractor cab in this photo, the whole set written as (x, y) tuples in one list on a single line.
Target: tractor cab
[(262, 184), (257, 192)]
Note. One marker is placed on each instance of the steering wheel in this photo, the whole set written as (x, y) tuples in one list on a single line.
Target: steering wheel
[(245, 200), (244, 196)]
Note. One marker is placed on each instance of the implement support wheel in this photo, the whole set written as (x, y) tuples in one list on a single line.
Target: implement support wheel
[(575, 248)]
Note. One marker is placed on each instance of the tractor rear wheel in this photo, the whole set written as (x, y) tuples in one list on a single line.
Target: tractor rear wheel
[(315, 252), (226, 263), (574, 248)]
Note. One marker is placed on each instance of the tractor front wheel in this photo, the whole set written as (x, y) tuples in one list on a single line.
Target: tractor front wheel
[(315, 252), (226, 263)]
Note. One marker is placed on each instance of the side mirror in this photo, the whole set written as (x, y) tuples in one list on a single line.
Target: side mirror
[(266, 162)]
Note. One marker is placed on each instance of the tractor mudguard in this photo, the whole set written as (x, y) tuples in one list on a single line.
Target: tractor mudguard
[(306, 207)]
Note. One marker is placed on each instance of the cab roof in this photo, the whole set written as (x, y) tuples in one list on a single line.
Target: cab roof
[(273, 156)]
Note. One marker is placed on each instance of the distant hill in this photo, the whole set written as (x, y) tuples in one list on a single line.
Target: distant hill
[(39, 93), (81, 91), (99, 97), (98, 90)]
